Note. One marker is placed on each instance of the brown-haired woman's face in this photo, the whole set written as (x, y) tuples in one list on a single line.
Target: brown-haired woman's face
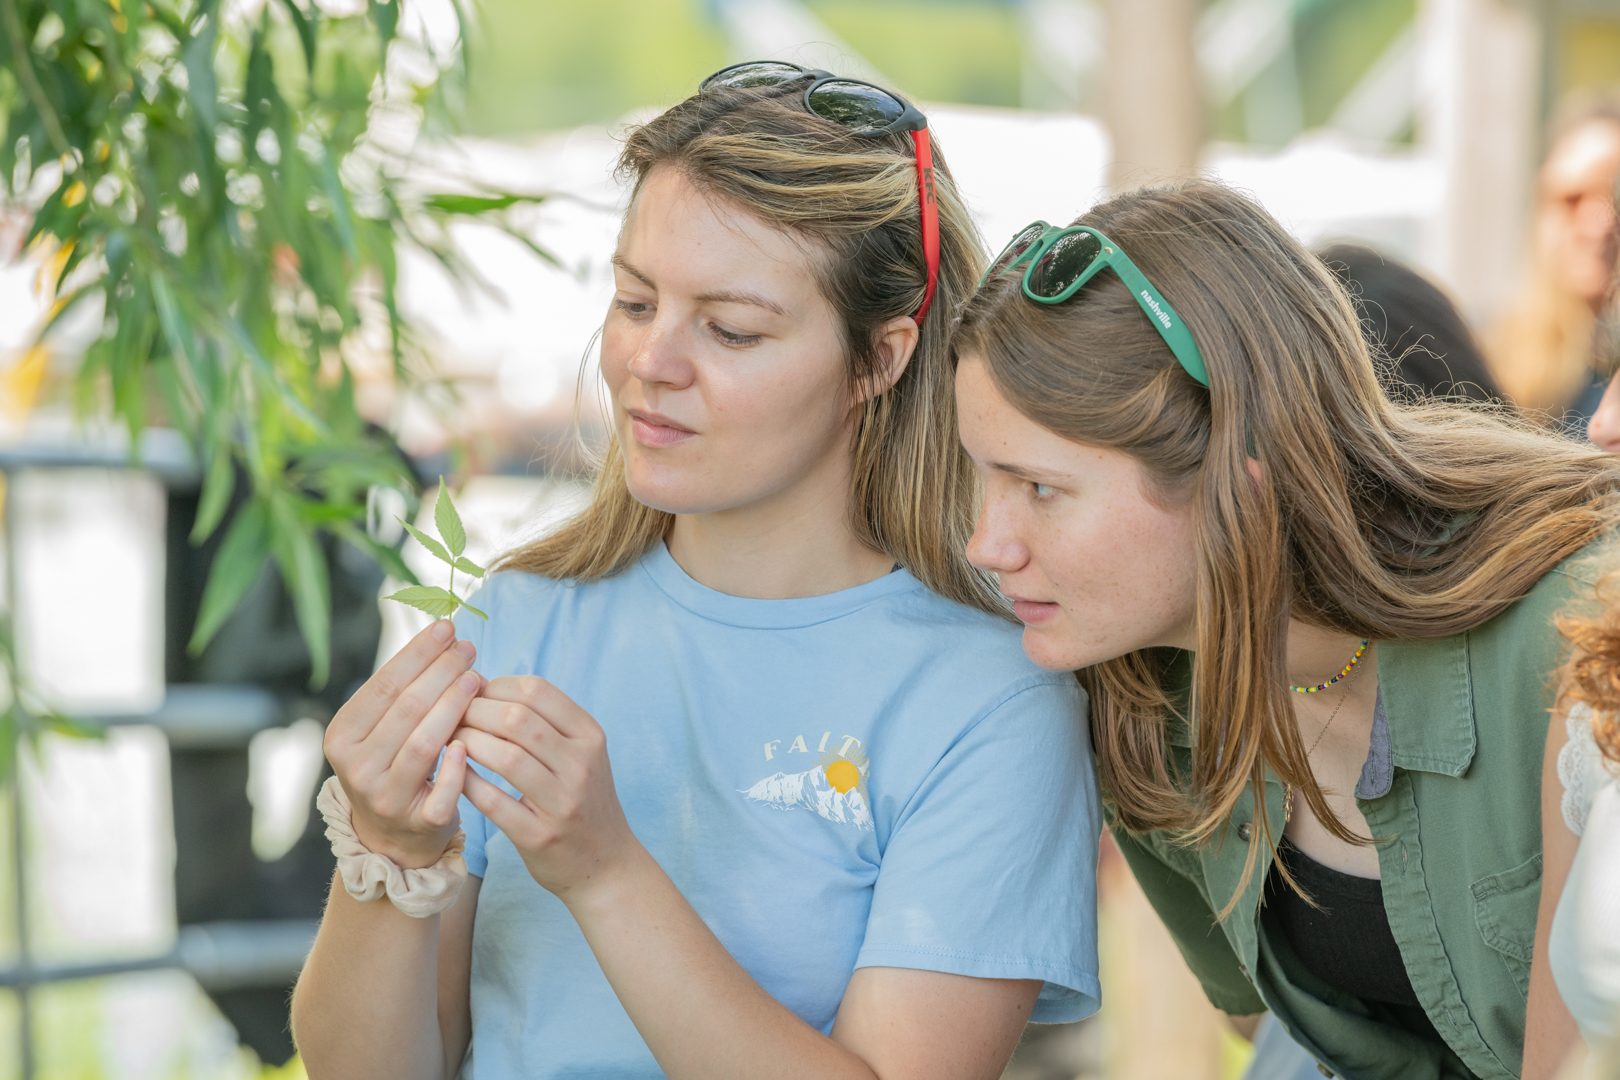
[(725, 363), (1095, 567)]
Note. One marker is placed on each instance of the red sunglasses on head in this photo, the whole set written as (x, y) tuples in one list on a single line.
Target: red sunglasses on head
[(865, 110)]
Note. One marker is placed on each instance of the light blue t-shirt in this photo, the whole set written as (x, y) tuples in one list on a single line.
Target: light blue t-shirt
[(873, 778)]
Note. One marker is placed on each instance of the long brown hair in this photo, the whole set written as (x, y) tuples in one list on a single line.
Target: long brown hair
[(856, 200), (1368, 518)]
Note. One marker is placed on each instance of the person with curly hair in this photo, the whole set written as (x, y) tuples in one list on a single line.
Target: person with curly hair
[(1579, 925)]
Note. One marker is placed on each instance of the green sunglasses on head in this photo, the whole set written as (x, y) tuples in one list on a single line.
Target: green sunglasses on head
[(1061, 261)]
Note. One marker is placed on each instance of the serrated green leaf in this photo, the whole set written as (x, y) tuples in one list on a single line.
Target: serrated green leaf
[(434, 548), (429, 598), (467, 566), (448, 521), (475, 611), (237, 565), (218, 486)]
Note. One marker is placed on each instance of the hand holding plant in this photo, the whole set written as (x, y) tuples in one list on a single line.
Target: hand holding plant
[(441, 603)]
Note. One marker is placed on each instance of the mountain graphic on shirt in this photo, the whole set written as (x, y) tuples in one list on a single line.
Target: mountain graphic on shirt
[(811, 790)]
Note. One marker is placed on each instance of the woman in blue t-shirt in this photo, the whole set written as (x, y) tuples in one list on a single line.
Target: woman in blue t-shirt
[(753, 777)]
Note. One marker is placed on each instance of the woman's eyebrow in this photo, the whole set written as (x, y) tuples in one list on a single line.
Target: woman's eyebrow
[(1034, 476), (724, 296), (624, 264), (727, 297)]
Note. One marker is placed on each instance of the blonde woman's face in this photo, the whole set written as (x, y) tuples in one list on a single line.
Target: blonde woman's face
[(725, 363), (1575, 228), (1094, 567)]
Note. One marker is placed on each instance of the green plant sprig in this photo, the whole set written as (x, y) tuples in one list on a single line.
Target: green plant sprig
[(442, 603)]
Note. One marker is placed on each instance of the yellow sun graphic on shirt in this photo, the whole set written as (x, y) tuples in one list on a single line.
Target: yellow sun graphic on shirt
[(845, 773)]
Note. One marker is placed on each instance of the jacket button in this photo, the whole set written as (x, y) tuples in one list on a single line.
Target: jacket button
[(1244, 832), (1324, 1070)]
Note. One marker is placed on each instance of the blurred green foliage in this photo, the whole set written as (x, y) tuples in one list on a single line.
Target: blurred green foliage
[(1334, 44), (1337, 42), (538, 66), (970, 53), (544, 64), (207, 172)]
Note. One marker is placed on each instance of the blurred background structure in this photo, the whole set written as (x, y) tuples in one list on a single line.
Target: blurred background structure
[(183, 842)]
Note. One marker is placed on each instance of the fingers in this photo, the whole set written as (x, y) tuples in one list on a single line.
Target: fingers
[(361, 713), (440, 806), (510, 761), (509, 815), (415, 702), (513, 722), (413, 764), (557, 707)]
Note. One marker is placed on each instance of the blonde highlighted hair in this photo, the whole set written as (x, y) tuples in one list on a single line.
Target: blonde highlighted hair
[(855, 199), (1367, 517)]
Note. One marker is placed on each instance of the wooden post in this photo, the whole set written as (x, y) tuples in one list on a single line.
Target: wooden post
[(1153, 102), (1479, 64)]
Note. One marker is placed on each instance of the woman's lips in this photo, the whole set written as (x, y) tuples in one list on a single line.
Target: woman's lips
[(655, 430), (1030, 612)]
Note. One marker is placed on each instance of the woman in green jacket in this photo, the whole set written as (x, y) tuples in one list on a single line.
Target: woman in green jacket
[(1314, 625)]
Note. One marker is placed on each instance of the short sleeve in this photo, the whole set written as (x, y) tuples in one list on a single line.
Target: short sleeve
[(1580, 768), (991, 870), (1187, 915)]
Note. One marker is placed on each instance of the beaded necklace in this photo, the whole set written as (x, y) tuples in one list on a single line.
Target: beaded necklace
[(1288, 789), (1348, 668)]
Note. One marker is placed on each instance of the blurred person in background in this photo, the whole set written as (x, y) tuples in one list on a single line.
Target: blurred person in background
[(1315, 625), (1547, 349), (1579, 931), (1604, 427), (848, 829), (1420, 344)]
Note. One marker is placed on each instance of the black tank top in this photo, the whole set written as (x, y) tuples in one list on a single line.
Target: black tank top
[(1346, 942)]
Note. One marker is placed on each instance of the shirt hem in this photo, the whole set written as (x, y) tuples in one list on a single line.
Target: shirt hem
[(1069, 994)]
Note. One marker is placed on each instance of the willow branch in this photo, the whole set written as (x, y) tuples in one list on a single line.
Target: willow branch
[(30, 80)]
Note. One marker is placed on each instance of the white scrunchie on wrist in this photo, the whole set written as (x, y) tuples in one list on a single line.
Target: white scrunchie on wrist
[(368, 875)]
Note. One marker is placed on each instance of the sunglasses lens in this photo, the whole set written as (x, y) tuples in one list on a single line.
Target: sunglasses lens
[(1063, 264), (744, 76), (1015, 250), (863, 109)]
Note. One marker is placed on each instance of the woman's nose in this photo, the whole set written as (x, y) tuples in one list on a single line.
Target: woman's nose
[(1604, 427), (995, 545), (661, 357)]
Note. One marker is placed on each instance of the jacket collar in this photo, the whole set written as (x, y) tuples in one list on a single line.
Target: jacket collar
[(1428, 703)]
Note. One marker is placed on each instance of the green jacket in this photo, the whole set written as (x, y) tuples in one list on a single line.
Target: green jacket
[(1461, 872)]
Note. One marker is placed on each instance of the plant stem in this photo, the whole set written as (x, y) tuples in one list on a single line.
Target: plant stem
[(30, 80)]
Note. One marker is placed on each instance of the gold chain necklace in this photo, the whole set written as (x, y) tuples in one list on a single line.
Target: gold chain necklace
[(1288, 791)]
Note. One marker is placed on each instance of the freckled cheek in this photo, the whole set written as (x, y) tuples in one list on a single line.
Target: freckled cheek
[(1109, 565), (766, 411)]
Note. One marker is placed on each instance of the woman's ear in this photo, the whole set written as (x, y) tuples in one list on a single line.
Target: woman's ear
[(894, 343)]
